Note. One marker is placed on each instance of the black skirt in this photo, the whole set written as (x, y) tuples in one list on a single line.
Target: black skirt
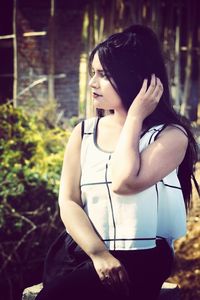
[(68, 271)]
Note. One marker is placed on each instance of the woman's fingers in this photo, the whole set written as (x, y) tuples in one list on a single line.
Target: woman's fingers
[(157, 93), (117, 280), (152, 86), (155, 90), (125, 281), (143, 88), (111, 272), (108, 281), (147, 99)]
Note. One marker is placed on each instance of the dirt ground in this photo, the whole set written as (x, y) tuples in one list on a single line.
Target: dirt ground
[(187, 264)]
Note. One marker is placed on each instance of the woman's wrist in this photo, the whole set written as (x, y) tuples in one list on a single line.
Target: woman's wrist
[(133, 124), (135, 118), (99, 253)]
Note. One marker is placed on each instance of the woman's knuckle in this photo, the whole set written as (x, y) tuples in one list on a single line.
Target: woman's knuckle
[(107, 270), (113, 269), (118, 268), (101, 277)]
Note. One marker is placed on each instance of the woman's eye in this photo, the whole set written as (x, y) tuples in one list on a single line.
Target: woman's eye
[(103, 75), (92, 73)]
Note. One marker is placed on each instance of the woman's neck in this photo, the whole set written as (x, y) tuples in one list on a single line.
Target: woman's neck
[(119, 118)]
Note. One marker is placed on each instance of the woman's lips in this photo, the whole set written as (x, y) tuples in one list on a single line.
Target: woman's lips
[(95, 95)]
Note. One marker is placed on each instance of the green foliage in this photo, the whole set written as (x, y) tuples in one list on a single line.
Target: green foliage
[(30, 153), (31, 159)]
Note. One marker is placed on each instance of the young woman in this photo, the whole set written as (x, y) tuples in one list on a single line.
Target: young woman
[(126, 178)]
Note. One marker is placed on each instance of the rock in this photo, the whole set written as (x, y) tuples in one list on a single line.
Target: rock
[(170, 291), (31, 292)]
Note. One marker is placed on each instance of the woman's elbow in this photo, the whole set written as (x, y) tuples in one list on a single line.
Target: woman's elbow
[(123, 187), (63, 205)]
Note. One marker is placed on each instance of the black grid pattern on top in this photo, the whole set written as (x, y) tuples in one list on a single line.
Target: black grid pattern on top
[(106, 182)]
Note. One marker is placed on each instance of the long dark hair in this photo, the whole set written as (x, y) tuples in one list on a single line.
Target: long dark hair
[(128, 58)]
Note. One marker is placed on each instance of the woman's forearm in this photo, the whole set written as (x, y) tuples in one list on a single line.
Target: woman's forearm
[(127, 165), (125, 162), (80, 228)]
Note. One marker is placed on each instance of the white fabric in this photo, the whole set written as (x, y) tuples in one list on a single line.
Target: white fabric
[(128, 222)]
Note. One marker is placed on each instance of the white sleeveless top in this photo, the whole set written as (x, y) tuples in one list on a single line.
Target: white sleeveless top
[(128, 222)]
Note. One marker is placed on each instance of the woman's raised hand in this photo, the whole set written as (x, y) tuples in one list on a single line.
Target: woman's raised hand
[(147, 99), (111, 272)]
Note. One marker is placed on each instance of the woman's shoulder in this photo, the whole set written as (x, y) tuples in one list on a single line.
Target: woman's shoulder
[(173, 134), (175, 129), (163, 128), (84, 123), (84, 127), (88, 125), (168, 133)]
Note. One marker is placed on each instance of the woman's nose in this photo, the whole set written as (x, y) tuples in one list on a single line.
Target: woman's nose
[(93, 82)]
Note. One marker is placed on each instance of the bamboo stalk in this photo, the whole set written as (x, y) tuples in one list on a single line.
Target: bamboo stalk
[(177, 80), (51, 93), (15, 77), (188, 69)]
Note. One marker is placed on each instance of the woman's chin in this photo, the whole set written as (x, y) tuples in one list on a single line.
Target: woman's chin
[(98, 105)]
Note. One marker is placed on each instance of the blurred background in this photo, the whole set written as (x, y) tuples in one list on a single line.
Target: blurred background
[(44, 47)]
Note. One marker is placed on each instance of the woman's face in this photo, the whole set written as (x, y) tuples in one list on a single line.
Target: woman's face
[(103, 94)]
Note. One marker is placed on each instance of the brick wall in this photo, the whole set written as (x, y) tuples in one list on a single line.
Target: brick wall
[(33, 56)]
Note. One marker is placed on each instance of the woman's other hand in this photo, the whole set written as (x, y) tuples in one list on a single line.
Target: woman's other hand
[(147, 99), (111, 272)]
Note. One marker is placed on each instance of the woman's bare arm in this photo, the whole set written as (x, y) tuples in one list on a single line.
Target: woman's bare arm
[(133, 172), (72, 214), (77, 222)]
